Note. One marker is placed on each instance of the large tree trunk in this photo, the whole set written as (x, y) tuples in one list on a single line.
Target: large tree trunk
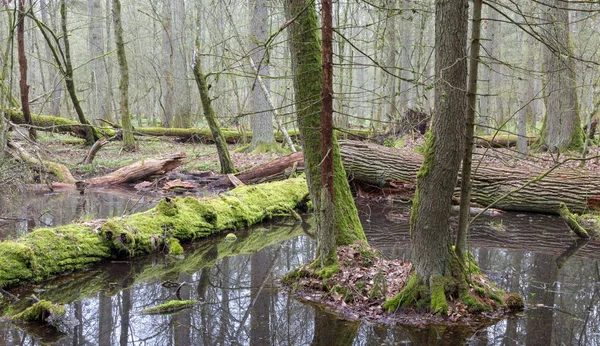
[(578, 189), (305, 52), (562, 125), (262, 117), (436, 179)]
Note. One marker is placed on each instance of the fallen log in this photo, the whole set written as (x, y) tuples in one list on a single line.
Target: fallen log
[(278, 169), (139, 170), (46, 252), (578, 189), (59, 171), (501, 141)]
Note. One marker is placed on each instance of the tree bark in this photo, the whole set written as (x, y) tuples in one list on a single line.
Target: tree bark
[(209, 113), (23, 86), (91, 136), (436, 180), (305, 49), (467, 164), (578, 189), (128, 139), (562, 125)]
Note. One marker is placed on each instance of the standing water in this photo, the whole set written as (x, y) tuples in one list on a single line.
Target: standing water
[(240, 304)]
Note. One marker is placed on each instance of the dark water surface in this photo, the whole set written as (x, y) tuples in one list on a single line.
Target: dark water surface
[(531, 254)]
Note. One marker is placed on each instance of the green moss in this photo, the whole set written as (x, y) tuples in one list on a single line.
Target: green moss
[(39, 311), (174, 247), (328, 271), (170, 307), (440, 286), (345, 292), (230, 237), (514, 302), (262, 147), (167, 207), (473, 305), (426, 166), (410, 295)]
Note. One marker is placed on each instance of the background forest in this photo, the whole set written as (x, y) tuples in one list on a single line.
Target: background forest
[(383, 57)]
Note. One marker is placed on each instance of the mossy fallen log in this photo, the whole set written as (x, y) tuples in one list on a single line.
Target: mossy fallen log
[(157, 268), (47, 252), (56, 124), (170, 307)]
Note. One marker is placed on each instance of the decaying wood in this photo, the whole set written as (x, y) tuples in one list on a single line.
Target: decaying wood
[(578, 189), (139, 170), (278, 169), (91, 154), (59, 171), (501, 141), (571, 221)]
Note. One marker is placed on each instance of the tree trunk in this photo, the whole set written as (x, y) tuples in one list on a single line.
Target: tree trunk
[(168, 84), (437, 176), (465, 184), (562, 125), (71, 247), (98, 109), (209, 113), (306, 66), (128, 139), (578, 189), (262, 118), (183, 101), (91, 136), (23, 86)]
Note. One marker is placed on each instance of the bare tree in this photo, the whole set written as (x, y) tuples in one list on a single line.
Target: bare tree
[(128, 139)]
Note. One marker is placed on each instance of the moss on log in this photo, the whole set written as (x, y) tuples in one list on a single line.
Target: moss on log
[(47, 252), (170, 307), (56, 124)]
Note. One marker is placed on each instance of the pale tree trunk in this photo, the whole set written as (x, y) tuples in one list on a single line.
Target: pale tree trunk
[(430, 239), (524, 103), (406, 100), (391, 43), (485, 108), (562, 126), (262, 119), (168, 102), (57, 86), (110, 99), (260, 298), (183, 104), (105, 319), (97, 107), (128, 139)]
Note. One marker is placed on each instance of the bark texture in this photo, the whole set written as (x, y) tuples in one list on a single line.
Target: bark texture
[(209, 113), (436, 180), (306, 65), (562, 125), (578, 189), (128, 139)]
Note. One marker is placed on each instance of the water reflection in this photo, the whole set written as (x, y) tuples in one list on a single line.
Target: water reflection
[(21, 213), (531, 254)]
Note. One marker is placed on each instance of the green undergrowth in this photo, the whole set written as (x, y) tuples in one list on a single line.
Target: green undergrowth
[(47, 252), (170, 307)]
